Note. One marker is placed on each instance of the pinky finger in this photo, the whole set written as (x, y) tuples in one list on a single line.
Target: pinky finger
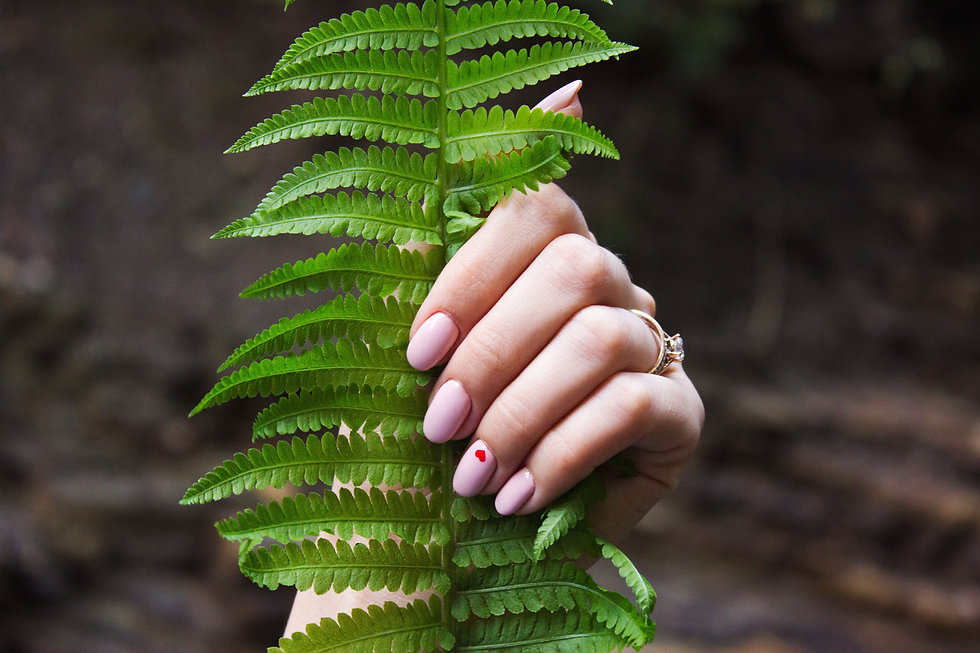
[(627, 408)]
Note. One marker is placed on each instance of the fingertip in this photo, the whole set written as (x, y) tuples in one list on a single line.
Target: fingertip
[(564, 100)]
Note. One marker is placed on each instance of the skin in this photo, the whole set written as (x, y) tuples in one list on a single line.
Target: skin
[(555, 367)]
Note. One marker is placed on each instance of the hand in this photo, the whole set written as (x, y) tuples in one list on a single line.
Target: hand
[(545, 364), (547, 367)]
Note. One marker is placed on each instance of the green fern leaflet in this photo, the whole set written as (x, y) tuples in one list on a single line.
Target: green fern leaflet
[(346, 408)]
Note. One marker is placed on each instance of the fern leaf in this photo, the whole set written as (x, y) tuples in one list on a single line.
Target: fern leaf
[(406, 26), (548, 585), (646, 598), (361, 409), (323, 565), (504, 541), (479, 132), (486, 24), (466, 508), (383, 218), (556, 632), (390, 71), (416, 627), (384, 322), (378, 271), (478, 185), (388, 170), (340, 364), (374, 514), (392, 119), (566, 512), (320, 459), (474, 81)]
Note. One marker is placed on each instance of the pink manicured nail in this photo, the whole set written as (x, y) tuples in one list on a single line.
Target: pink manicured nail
[(560, 98), (446, 413), (474, 470), (515, 492), (431, 342)]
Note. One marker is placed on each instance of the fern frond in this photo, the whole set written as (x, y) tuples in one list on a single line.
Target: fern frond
[(646, 598), (504, 541), (390, 71), (388, 170), (555, 632), (340, 364), (406, 26), (416, 627), (383, 322), (477, 80), (374, 514), (392, 119), (320, 459), (361, 409), (566, 512), (478, 185), (548, 585), (383, 218), (322, 566), (378, 271), (479, 132), (478, 25)]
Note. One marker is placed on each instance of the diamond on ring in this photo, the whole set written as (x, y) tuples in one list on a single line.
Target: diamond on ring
[(671, 347)]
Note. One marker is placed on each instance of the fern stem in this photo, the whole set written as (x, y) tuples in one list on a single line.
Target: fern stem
[(442, 192)]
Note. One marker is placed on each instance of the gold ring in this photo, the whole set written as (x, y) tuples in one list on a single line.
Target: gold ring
[(671, 347)]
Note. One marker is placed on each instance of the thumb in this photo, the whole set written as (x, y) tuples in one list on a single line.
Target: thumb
[(564, 100)]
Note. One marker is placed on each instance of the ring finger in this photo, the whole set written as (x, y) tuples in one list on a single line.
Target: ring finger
[(598, 342)]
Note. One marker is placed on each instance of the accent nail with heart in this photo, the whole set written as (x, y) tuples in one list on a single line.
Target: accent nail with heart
[(474, 470)]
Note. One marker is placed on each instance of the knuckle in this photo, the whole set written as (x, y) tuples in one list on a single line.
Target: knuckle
[(552, 209), (565, 462), (483, 351), (633, 402), (508, 421), (581, 265), (602, 332)]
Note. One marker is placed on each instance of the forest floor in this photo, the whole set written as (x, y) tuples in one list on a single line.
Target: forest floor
[(813, 234)]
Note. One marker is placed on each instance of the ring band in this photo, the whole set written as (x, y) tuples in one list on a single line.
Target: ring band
[(671, 347)]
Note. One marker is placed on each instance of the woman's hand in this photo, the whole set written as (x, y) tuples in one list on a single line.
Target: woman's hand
[(546, 367)]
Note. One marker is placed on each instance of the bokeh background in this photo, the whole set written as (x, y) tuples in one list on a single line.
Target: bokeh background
[(799, 187)]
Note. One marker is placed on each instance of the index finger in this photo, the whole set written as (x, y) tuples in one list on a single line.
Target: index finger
[(516, 231)]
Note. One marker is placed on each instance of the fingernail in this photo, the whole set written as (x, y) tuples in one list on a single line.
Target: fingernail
[(431, 342), (474, 470), (515, 492), (561, 98), (446, 413)]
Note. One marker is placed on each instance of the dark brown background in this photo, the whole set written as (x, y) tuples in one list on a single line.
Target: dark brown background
[(798, 188)]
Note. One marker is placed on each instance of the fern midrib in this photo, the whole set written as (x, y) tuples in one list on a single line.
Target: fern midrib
[(367, 409), (496, 181), (346, 216), (341, 461), (528, 642), (246, 533), (574, 54), (299, 190), (368, 70), (293, 126), (385, 273), (515, 21), (324, 44)]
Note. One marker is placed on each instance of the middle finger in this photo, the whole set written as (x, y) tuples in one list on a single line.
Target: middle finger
[(572, 272)]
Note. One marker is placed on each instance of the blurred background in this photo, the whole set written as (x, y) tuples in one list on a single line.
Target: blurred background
[(798, 188)]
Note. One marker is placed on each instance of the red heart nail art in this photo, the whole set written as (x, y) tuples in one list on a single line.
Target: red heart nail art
[(482, 455)]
